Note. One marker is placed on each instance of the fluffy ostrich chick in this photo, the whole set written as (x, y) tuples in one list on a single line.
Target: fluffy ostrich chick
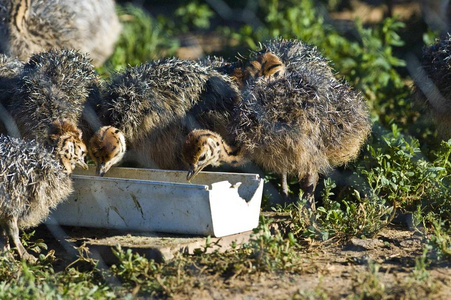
[(153, 107), (51, 92), (432, 88), (32, 182), (32, 26), (302, 125)]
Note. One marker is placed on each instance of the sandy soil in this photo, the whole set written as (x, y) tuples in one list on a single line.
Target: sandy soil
[(339, 271), (335, 271)]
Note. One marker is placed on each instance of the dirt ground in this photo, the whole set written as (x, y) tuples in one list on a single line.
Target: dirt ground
[(336, 270), (340, 271)]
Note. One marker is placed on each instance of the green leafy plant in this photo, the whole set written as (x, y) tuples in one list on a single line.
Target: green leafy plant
[(397, 171), (142, 39), (343, 218), (193, 15), (440, 239), (369, 285)]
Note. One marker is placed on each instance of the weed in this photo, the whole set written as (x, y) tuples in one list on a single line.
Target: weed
[(265, 252), (440, 239), (341, 218), (35, 246), (369, 285), (420, 273)]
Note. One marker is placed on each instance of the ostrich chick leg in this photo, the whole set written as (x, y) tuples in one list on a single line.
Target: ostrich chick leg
[(284, 183), (308, 185), (13, 232), (4, 241)]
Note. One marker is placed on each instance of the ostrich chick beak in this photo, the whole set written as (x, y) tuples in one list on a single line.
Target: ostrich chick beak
[(83, 165), (101, 169), (193, 171)]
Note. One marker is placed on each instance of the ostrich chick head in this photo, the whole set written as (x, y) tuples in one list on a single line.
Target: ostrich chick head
[(107, 148), (266, 65), (67, 139), (204, 148)]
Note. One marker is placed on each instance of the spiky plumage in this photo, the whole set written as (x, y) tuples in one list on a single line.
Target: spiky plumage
[(53, 85), (432, 88), (217, 62), (304, 123), (152, 95), (9, 66), (50, 96), (156, 104), (31, 26), (349, 122), (32, 182)]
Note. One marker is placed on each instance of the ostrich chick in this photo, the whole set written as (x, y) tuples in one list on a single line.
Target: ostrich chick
[(154, 106), (32, 26), (52, 89), (432, 88), (32, 182), (284, 127), (299, 57)]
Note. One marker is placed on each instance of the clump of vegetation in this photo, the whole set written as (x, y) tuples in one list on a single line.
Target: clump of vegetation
[(397, 170), (440, 238), (343, 218), (21, 280), (189, 17), (417, 285), (142, 39)]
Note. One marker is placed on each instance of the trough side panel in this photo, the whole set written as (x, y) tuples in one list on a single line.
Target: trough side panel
[(136, 205)]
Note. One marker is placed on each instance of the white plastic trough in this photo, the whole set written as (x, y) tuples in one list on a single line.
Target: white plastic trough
[(214, 203)]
